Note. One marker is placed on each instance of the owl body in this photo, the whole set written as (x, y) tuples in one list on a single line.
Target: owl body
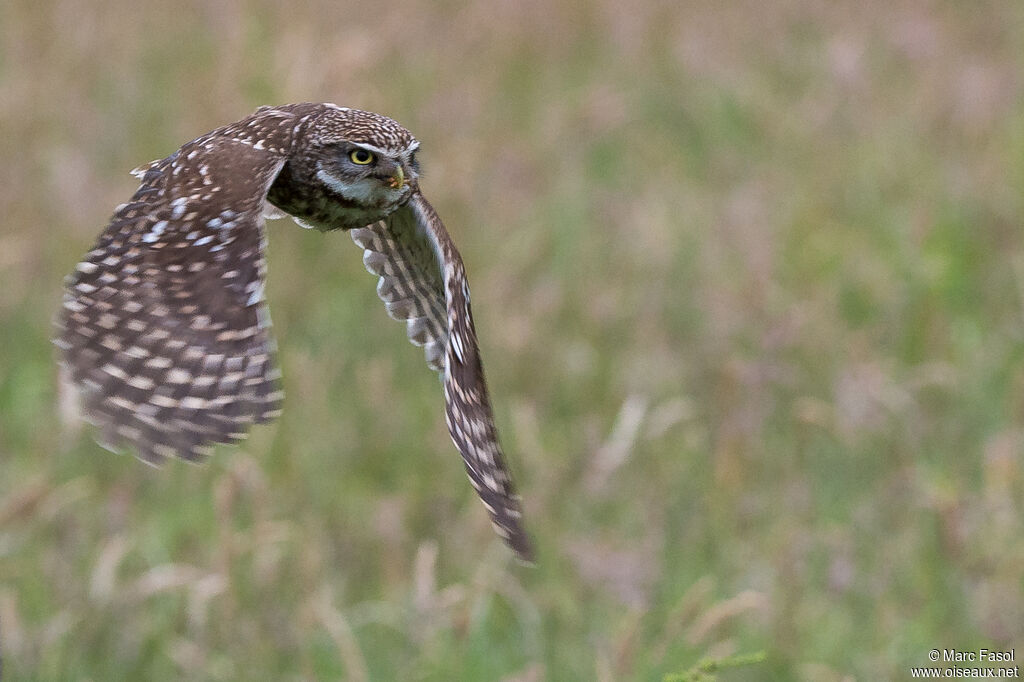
[(164, 329)]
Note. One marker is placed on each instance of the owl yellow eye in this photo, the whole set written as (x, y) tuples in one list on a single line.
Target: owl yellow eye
[(361, 157)]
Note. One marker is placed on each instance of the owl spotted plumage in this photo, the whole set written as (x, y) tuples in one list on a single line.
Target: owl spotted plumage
[(164, 328)]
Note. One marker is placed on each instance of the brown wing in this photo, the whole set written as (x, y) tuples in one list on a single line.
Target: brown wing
[(423, 282), (164, 328)]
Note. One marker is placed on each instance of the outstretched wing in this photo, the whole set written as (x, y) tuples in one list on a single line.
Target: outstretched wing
[(164, 329), (423, 283)]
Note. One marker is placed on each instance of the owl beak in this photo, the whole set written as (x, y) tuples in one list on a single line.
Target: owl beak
[(398, 179)]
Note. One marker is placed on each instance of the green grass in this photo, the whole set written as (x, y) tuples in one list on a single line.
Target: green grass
[(748, 283)]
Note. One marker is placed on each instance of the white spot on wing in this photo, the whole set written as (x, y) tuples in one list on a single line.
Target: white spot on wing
[(257, 294)]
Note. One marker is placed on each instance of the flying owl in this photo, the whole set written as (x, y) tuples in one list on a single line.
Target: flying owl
[(164, 328)]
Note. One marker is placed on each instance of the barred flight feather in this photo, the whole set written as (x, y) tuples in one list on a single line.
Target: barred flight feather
[(422, 272)]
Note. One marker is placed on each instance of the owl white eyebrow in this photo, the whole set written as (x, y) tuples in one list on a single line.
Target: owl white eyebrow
[(370, 148), (384, 152)]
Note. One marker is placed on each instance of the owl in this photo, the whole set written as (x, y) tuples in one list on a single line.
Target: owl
[(164, 329)]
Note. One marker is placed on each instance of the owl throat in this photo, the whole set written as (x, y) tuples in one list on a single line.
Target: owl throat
[(325, 204)]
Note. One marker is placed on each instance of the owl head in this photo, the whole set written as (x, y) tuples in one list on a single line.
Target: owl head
[(366, 159)]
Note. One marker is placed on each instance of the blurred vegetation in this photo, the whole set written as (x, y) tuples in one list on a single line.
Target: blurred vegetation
[(749, 282)]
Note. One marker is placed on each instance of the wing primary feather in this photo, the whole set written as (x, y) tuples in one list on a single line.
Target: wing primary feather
[(164, 328), (422, 281)]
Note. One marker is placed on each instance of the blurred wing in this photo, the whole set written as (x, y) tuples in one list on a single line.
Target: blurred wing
[(164, 329), (423, 282)]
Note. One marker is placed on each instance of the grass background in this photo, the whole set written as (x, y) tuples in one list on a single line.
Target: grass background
[(749, 282)]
